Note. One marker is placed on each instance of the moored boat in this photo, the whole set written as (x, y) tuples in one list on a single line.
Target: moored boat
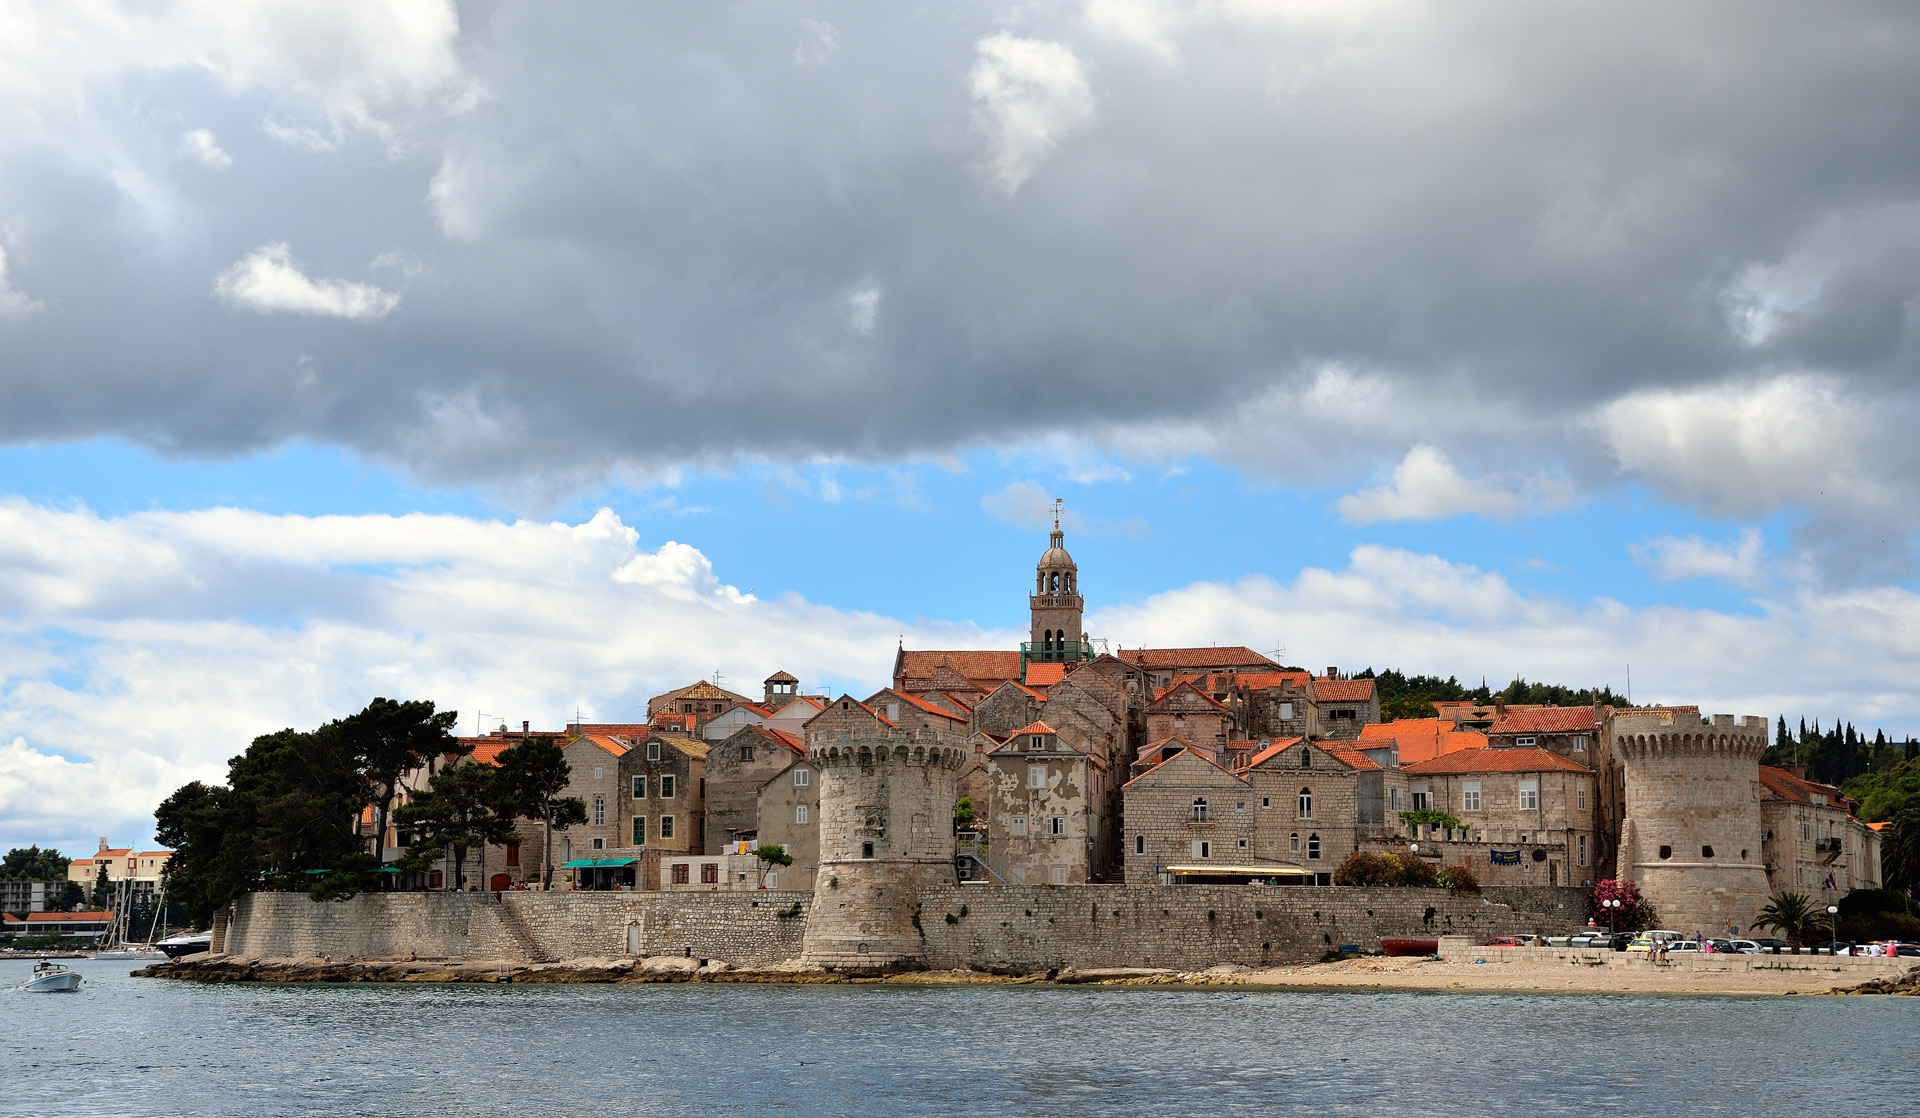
[(51, 978), (186, 943)]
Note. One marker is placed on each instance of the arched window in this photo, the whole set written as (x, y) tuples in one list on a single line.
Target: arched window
[(1199, 809), (1313, 848), (1293, 845), (1053, 582), (1069, 584), (1306, 803)]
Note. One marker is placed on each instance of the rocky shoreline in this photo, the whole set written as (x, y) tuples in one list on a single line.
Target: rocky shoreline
[(1370, 973)]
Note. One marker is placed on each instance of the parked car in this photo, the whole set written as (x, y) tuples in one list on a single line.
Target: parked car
[(1742, 947), (1725, 947), (1770, 946), (1908, 949), (1578, 938), (1507, 941), (1683, 946), (1619, 941), (1834, 947)]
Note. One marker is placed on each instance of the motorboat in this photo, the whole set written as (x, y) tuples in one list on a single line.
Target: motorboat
[(186, 943), (51, 978), (130, 951)]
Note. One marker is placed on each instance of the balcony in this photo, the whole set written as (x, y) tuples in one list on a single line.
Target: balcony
[(1059, 652)]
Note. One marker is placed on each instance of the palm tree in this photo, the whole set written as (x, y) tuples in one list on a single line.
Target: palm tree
[(1900, 849), (1791, 914)]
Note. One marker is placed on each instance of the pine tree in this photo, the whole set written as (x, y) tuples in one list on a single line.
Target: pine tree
[(1780, 735)]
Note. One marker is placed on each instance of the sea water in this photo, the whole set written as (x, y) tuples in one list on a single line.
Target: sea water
[(149, 1047)]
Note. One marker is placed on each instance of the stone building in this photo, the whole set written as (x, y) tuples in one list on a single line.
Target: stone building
[(1005, 709), (1056, 607), (1309, 798), (886, 778), (594, 760), (789, 812), (1691, 834), (1526, 813), (1048, 820), (736, 770), (1343, 706), (1184, 812), (1811, 842), (691, 706), (1275, 705), (1182, 711), (1164, 666), (663, 801)]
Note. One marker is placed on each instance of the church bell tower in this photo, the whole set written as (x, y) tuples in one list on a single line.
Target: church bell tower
[(1056, 604)]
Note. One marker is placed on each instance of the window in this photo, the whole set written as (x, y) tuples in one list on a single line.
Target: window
[(1199, 809), (666, 826), (639, 787), (1019, 875), (866, 850), (1266, 802), (1579, 743), (1666, 852), (709, 873), (1059, 875), (1581, 847), (513, 854), (566, 850), (1523, 742), (679, 873), (1202, 848), (1139, 844), (1057, 825), (1580, 797), (1393, 799), (800, 813), (1036, 776), (1286, 711), (1306, 803), (1706, 852), (1313, 848), (746, 752), (599, 811), (599, 773), (893, 712), (666, 788), (1419, 796), (1293, 846), (1530, 794), (773, 881), (1017, 826), (1470, 796), (639, 830), (599, 844), (653, 751), (802, 777)]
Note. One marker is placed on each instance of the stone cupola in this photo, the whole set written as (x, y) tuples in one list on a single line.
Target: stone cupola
[(1056, 604)]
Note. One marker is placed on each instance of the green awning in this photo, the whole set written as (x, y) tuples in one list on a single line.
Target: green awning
[(388, 869), (578, 864), (316, 871), (616, 862), (597, 863)]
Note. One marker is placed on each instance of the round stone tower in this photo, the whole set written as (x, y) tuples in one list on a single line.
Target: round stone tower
[(886, 831), (1691, 835)]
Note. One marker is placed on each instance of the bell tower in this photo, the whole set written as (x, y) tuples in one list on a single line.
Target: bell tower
[(1056, 604)]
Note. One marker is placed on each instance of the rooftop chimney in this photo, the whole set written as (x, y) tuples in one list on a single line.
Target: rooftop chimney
[(103, 842), (1333, 673), (526, 727), (1500, 706)]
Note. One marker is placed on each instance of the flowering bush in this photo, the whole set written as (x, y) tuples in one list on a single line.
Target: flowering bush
[(1634, 912), (1460, 879), (1407, 870)]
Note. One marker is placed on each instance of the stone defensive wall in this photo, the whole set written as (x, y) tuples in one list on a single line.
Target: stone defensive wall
[(986, 927), (1187, 927)]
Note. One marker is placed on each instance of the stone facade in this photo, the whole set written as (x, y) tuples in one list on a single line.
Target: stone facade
[(736, 770), (662, 803), (789, 811), (1343, 706), (1048, 822), (1056, 607), (1184, 712), (1812, 843), (1690, 836), (1186, 811), (1307, 805), (1527, 813)]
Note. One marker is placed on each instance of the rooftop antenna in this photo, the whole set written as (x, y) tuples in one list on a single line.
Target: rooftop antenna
[(717, 677), (1629, 685)]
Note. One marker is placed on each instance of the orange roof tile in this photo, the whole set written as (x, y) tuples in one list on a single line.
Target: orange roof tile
[(1545, 720), (1222, 656), (1801, 790), (1035, 727), (71, 917), (1190, 689), (791, 741), (923, 704), (1342, 690), (607, 742), (1260, 681), (1045, 675), (1339, 751), (1273, 750), (1420, 739), (1529, 760), (983, 666), (1187, 752)]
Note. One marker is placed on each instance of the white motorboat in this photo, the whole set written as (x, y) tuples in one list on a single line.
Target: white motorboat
[(186, 943), (51, 978)]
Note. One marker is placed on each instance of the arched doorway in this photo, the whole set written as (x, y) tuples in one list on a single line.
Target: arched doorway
[(500, 883)]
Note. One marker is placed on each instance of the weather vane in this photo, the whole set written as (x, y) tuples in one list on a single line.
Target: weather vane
[(1056, 514)]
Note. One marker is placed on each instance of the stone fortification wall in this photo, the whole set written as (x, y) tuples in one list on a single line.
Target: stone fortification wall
[(1029, 928), (745, 929), (1024, 928)]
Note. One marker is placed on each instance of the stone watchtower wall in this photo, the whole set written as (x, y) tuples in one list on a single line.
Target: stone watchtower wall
[(1691, 835), (886, 833)]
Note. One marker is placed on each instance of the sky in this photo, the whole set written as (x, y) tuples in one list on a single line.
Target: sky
[(536, 359)]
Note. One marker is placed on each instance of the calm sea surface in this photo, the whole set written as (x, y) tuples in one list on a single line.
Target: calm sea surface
[(143, 1047)]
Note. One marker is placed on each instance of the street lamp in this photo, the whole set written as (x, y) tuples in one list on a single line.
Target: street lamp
[(1612, 906), (1833, 932)]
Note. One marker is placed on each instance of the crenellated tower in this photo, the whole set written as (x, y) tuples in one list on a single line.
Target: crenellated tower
[(888, 773), (1691, 835), (1056, 605)]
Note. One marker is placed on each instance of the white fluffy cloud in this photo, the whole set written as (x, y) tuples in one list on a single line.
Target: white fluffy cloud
[(199, 145), (140, 652), (1673, 558), (1426, 486), (267, 280), (1032, 94)]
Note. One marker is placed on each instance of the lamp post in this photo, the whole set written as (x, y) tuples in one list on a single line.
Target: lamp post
[(1833, 929), (1612, 905)]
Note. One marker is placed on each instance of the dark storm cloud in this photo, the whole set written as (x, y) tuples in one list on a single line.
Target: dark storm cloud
[(644, 236)]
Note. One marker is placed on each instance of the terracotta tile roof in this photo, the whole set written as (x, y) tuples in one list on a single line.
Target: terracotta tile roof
[(1273, 750), (669, 718), (917, 701), (154, 854), (985, 666), (1045, 675), (1801, 790), (1035, 727), (607, 742), (1420, 739), (1342, 690), (1546, 720), (1222, 656), (81, 862), (123, 851), (791, 741), (72, 917), (1530, 760), (1875, 826), (956, 700), (692, 747), (1196, 755)]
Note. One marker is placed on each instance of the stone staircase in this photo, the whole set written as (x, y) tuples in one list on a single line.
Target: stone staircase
[(516, 929)]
